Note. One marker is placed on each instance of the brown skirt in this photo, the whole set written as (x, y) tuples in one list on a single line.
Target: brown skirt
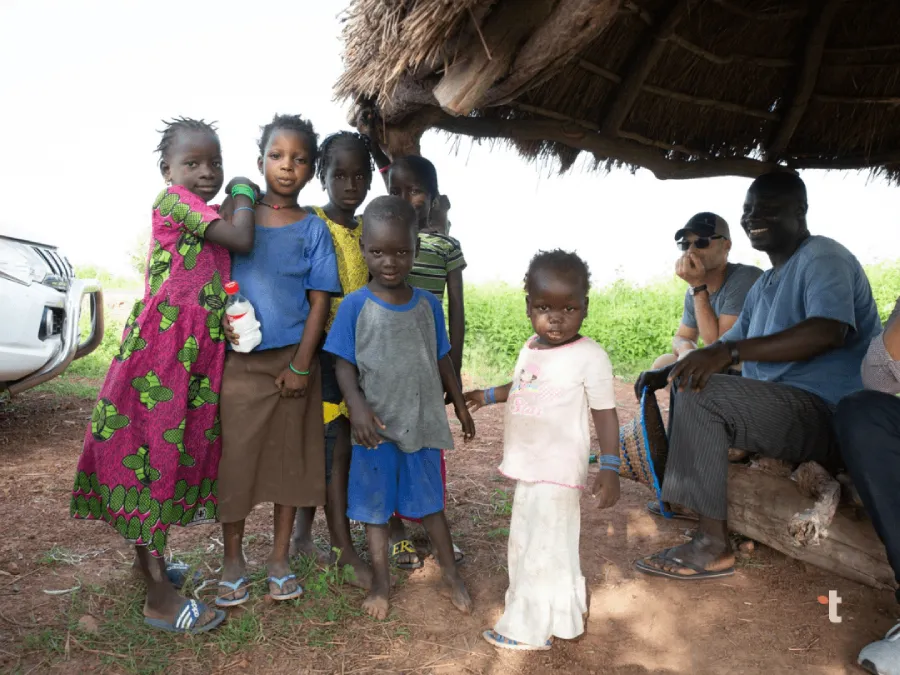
[(273, 448)]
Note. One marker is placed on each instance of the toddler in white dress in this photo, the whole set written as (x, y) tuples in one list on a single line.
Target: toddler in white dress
[(560, 377)]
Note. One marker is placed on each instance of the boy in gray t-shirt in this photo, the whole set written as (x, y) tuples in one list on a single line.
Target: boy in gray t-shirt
[(393, 367)]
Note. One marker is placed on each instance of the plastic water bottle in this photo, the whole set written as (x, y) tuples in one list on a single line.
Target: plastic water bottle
[(242, 318)]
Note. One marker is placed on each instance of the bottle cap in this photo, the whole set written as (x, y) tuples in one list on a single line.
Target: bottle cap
[(232, 287)]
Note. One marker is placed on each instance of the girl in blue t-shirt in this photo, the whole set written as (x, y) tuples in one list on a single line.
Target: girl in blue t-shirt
[(271, 402)]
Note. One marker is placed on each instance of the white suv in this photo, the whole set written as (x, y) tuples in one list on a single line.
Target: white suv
[(40, 315)]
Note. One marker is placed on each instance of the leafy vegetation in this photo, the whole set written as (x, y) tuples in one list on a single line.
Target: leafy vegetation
[(634, 323)]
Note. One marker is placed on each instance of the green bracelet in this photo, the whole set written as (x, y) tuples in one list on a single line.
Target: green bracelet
[(245, 190), (297, 372)]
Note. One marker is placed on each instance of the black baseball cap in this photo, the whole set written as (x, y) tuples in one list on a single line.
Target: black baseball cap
[(705, 224)]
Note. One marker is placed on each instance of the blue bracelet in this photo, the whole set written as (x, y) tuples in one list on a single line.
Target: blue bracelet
[(609, 462), (244, 208), (490, 396)]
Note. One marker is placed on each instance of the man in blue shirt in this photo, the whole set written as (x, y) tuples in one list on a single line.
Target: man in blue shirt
[(801, 337)]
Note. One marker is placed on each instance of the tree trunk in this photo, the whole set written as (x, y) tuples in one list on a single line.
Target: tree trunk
[(761, 506)]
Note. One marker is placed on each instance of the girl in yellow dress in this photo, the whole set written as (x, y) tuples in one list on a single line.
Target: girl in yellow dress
[(345, 169)]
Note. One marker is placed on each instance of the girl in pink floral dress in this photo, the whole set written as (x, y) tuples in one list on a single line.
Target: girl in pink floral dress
[(151, 454)]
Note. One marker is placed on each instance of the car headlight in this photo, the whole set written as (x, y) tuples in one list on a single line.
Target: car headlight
[(16, 265)]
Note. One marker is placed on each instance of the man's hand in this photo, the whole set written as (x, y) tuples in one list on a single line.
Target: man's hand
[(690, 268), (606, 485), (651, 379), (695, 369), (366, 425)]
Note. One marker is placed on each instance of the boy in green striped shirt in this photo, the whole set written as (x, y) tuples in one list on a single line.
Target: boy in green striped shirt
[(439, 265)]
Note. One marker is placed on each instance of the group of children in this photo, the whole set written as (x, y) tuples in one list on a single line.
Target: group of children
[(343, 403)]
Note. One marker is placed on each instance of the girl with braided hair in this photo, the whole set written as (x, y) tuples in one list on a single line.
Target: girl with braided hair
[(345, 171), (151, 455)]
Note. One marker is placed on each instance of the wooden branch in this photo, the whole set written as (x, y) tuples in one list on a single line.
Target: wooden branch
[(579, 138), (761, 506), (597, 70), (553, 115), (668, 147), (856, 100), (476, 69), (724, 60), (642, 63), (709, 102), (806, 79), (750, 14), (572, 26), (638, 138), (863, 49)]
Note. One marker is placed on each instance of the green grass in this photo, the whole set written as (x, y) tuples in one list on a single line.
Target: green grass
[(634, 323), (322, 619)]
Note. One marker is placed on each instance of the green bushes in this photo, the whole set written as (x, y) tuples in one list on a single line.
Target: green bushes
[(633, 323)]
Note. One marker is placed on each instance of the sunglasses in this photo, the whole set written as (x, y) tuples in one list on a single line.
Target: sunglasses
[(699, 242)]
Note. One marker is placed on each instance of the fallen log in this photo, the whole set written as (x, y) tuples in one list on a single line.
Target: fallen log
[(762, 506)]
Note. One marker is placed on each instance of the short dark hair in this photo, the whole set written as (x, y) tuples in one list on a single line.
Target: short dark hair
[(781, 182), (423, 170), (178, 124), (392, 210), (291, 123), (349, 138), (562, 263)]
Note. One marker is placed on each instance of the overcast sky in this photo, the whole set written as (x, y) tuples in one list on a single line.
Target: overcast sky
[(85, 85)]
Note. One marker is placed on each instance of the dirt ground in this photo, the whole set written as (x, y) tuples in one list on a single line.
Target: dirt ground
[(765, 619)]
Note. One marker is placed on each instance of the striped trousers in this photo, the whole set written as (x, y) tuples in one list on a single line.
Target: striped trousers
[(767, 418)]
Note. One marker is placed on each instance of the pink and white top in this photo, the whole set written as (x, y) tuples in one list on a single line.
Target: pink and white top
[(547, 437)]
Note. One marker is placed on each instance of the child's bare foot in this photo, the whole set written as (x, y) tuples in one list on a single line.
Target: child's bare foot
[(361, 576), (307, 548), (457, 591), (377, 603)]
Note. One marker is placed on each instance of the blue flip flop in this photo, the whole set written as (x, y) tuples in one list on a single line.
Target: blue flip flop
[(187, 618), (233, 586), (177, 572), (505, 643), (281, 581)]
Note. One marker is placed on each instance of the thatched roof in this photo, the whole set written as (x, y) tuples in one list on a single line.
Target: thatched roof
[(685, 88)]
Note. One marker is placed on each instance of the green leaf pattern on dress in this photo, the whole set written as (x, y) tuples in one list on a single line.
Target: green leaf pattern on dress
[(212, 299), (160, 267), (189, 247), (152, 390), (176, 437), (169, 315), (106, 420), (188, 354), (200, 392), (139, 462)]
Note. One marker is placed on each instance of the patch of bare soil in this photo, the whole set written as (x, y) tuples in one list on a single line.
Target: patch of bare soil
[(765, 619)]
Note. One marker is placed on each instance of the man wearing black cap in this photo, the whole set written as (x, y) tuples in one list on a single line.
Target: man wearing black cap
[(801, 336), (716, 287)]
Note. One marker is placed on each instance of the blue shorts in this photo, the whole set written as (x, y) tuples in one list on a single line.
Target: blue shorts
[(387, 480)]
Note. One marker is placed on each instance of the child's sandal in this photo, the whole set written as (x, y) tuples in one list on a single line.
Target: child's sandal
[(280, 582), (406, 546), (502, 642)]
